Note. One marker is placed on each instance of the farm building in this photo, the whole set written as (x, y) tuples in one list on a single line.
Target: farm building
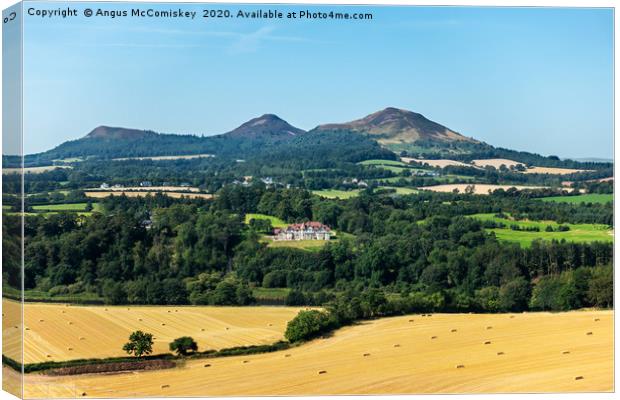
[(305, 231)]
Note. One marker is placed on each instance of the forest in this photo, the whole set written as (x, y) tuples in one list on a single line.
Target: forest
[(414, 252)]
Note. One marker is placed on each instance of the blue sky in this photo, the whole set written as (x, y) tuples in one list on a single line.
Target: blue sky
[(534, 79)]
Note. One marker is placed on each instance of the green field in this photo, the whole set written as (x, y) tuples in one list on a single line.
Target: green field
[(262, 293), (383, 162), (55, 208), (577, 232), (310, 245), (336, 194), (401, 190), (595, 198), (275, 221)]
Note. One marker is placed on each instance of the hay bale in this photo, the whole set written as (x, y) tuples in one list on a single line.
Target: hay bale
[(489, 327), (366, 354), (429, 315), (27, 328), (227, 328), (397, 345), (500, 353), (207, 365), (512, 316), (566, 352), (578, 378), (410, 320), (162, 324), (70, 323), (41, 320), (246, 361), (424, 315), (82, 338), (322, 372), (589, 333), (287, 355), (487, 342), (106, 309), (270, 324), (70, 348), (165, 386), (202, 329), (596, 319), (433, 337), (453, 330), (460, 366), (83, 394)]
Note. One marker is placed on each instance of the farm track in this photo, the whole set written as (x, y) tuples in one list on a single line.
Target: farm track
[(442, 353)]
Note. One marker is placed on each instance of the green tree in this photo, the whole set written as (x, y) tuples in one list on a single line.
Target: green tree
[(514, 295), (183, 345), (306, 325), (601, 288), (140, 344)]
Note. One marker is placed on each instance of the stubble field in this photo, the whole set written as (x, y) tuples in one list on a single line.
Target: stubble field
[(442, 353), (55, 332)]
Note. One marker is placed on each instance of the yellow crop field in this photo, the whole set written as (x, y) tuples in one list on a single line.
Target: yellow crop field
[(442, 353), (553, 171), (55, 332)]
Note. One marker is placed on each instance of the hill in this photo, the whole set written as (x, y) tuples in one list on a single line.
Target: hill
[(266, 126), (394, 125)]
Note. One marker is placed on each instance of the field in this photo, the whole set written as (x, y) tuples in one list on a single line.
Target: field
[(436, 163), (577, 232), (479, 188), (594, 198), (66, 207), (32, 170), (336, 194), (176, 195), (56, 332), (275, 221), (401, 190), (495, 162), (311, 245), (151, 189), (166, 158), (442, 353), (552, 171), (384, 162)]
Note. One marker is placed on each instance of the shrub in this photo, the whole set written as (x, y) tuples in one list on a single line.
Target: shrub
[(306, 325)]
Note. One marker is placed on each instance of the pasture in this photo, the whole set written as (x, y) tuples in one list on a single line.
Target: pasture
[(275, 221), (442, 353), (479, 188), (577, 232), (176, 195), (310, 245), (336, 194), (57, 332), (65, 207), (594, 198)]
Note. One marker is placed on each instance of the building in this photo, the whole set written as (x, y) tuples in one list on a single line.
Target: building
[(305, 231)]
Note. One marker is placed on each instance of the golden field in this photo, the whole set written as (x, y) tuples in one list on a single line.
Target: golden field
[(442, 353), (435, 163), (55, 332), (553, 171)]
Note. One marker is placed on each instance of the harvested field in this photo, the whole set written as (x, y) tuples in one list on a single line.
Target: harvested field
[(495, 163), (479, 188), (105, 329), (525, 355), (436, 163), (176, 195), (553, 171)]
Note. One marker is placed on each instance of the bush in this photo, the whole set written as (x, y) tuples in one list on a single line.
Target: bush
[(307, 325)]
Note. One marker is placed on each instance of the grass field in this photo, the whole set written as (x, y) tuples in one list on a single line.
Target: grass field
[(66, 207), (595, 198), (310, 245), (336, 194), (401, 190), (65, 332), (176, 195), (577, 232), (443, 353), (275, 221), (479, 188), (384, 162)]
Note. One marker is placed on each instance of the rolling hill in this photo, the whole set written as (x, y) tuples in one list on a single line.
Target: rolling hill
[(394, 125)]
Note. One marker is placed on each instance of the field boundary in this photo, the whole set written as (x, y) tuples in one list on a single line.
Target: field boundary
[(126, 363)]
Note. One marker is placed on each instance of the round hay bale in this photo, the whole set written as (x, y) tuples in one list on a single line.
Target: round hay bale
[(366, 354), (246, 361), (287, 355), (433, 337), (589, 333), (410, 320), (578, 378), (397, 345), (165, 386), (566, 352), (453, 330), (487, 342), (322, 372), (207, 365), (489, 327), (460, 366), (500, 353)]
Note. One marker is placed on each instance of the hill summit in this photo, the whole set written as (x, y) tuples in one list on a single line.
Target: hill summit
[(266, 126), (395, 125), (114, 133)]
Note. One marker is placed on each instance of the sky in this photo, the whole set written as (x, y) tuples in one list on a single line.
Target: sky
[(532, 79)]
